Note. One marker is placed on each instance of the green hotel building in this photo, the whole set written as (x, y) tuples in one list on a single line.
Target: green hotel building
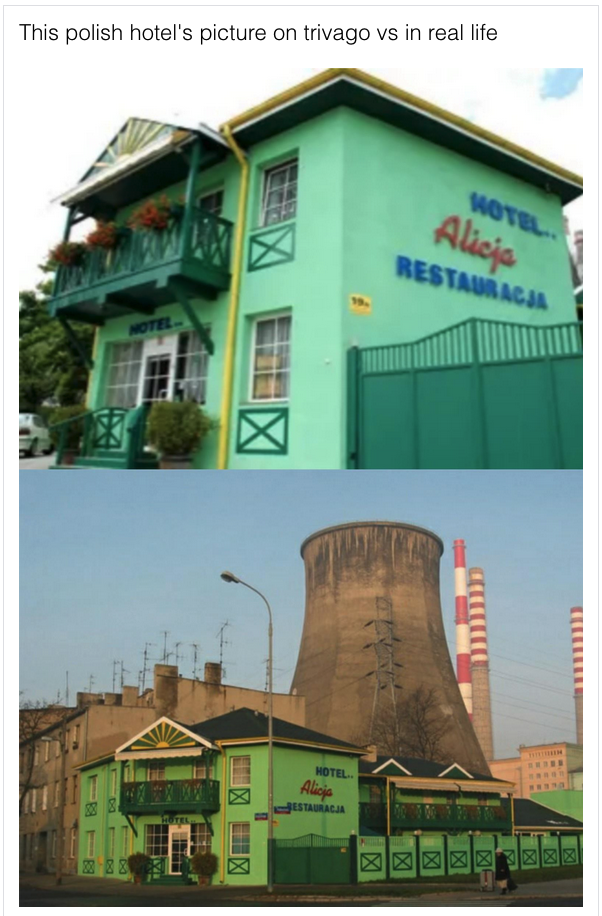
[(343, 277), (341, 814)]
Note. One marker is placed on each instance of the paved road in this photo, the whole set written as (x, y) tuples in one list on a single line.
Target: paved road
[(39, 463)]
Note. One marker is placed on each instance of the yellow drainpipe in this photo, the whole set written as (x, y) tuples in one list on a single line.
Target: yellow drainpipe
[(512, 812), (222, 866), (226, 410), (388, 807)]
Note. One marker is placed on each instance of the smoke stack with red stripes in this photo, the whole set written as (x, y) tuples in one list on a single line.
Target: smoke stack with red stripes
[(462, 627), (577, 638), (479, 658)]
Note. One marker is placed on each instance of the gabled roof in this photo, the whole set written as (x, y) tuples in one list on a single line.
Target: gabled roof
[(247, 726), (353, 88), (164, 735), (528, 813), (416, 766)]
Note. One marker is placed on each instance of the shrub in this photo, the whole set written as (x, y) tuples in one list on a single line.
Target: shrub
[(177, 428), (204, 863), (137, 863), (74, 430)]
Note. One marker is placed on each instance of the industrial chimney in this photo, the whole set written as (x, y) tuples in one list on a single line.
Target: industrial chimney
[(462, 627), (373, 634), (479, 667), (577, 638)]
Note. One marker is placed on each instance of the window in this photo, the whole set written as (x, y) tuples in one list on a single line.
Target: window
[(156, 771), (125, 840), (539, 788), (240, 771), (552, 763), (57, 792), (546, 785), (44, 798), (46, 750), (538, 765), (240, 839), (561, 785), (113, 788), (53, 845), (157, 840), (124, 374), (75, 735), (36, 755), (279, 198), (200, 838), (271, 359), (531, 788), (192, 367), (111, 846), (74, 793), (93, 788), (90, 843), (553, 785), (530, 766), (34, 799), (73, 850), (200, 769), (57, 748), (213, 202), (26, 803)]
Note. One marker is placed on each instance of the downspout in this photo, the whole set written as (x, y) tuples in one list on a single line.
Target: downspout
[(512, 812), (222, 866), (226, 409), (388, 807)]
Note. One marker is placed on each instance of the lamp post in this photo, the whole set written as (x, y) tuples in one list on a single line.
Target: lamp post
[(230, 577), (61, 814)]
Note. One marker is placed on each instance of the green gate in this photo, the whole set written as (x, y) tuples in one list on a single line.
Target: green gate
[(312, 859), (481, 394)]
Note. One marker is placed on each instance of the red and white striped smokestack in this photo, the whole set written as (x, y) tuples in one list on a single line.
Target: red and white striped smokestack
[(577, 638), (462, 627), (481, 698)]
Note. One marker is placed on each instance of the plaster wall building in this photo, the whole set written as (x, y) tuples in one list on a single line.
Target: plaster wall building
[(326, 268), (99, 724), (540, 768)]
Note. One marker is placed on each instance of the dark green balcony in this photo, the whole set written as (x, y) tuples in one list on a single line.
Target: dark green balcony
[(136, 275), (164, 797), (418, 816)]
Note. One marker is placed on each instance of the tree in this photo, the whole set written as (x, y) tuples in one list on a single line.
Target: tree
[(34, 718), (49, 367), (415, 728)]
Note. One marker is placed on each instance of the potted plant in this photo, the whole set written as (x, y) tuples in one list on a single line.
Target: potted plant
[(204, 865), (67, 254), (137, 863), (105, 236), (66, 436), (176, 429), (153, 214)]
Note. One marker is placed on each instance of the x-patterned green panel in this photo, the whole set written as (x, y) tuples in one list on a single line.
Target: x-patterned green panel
[(371, 861), (239, 866), (112, 805), (272, 247), (123, 866), (109, 867), (262, 431), (239, 796), (91, 809), (550, 857), (403, 861), (88, 867), (484, 858), (431, 860)]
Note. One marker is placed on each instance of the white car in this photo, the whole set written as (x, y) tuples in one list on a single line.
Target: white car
[(33, 435)]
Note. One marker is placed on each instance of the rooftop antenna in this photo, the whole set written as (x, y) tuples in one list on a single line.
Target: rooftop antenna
[(222, 642), (165, 655), (123, 671), (145, 662), (115, 664), (195, 647), (92, 679), (66, 688), (178, 644)]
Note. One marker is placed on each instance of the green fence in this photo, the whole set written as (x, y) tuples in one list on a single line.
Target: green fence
[(481, 394), (314, 859)]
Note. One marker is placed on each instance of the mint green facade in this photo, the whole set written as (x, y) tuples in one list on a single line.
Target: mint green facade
[(370, 197), (567, 801)]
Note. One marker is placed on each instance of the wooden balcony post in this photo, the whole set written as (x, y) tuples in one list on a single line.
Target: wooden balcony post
[(187, 220)]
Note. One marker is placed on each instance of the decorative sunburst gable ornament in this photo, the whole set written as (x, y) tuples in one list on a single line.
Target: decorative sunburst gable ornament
[(163, 735), (134, 136)]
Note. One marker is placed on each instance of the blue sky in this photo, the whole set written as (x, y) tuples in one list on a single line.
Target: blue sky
[(558, 84), (110, 560)]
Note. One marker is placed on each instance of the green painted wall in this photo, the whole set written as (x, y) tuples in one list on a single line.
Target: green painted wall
[(567, 801)]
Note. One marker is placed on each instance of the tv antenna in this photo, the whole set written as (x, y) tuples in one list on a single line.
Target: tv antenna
[(177, 648), (222, 642), (195, 655), (145, 667), (165, 654)]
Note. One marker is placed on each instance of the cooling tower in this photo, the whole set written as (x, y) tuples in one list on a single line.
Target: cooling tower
[(373, 634)]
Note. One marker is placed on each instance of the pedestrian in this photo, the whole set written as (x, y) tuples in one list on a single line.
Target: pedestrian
[(502, 870)]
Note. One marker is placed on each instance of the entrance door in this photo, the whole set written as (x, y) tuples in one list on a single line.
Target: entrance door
[(179, 846), (155, 385)]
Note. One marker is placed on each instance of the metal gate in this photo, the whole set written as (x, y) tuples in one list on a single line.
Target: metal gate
[(481, 394), (313, 859)]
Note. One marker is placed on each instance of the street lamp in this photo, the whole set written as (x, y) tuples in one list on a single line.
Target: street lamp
[(61, 816), (230, 577)]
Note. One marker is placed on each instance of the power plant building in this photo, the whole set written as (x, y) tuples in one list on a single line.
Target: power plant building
[(344, 276)]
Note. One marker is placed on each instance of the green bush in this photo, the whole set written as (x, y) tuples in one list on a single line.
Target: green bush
[(74, 431), (204, 863), (177, 428), (137, 863)]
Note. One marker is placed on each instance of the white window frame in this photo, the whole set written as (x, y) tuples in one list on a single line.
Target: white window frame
[(113, 787), (211, 192), (36, 755), (53, 845), (125, 840), (236, 758), (93, 789), (57, 792), (46, 751), (111, 843), (205, 357), (73, 850), (34, 795), (45, 798), (201, 762), (26, 803), (256, 322), (265, 176), (90, 843), (231, 843), (153, 767)]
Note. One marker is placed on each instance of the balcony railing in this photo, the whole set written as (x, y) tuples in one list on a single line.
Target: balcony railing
[(174, 795), (410, 816), (195, 247)]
